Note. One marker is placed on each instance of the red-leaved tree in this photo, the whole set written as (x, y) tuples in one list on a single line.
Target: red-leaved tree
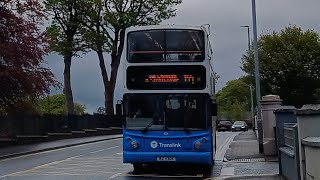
[(22, 50)]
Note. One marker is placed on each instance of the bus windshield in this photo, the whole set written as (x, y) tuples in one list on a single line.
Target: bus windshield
[(165, 111), (165, 45)]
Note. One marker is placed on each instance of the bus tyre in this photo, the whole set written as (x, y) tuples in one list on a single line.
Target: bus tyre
[(137, 168)]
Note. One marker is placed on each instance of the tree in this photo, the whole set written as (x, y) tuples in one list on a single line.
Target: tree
[(101, 110), (64, 37), (234, 99), (56, 104), (289, 65), (105, 22), (22, 50)]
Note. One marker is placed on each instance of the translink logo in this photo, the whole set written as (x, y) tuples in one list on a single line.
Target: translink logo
[(172, 145), (154, 144)]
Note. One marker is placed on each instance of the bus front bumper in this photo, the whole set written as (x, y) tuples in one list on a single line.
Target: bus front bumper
[(168, 157)]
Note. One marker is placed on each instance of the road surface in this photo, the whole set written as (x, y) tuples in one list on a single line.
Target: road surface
[(100, 160)]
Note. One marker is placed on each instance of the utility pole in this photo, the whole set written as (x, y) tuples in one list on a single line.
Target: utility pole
[(257, 76)]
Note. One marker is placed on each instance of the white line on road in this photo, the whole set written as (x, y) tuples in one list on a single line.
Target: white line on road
[(60, 149), (97, 151), (73, 157), (113, 147), (38, 167), (224, 147), (115, 175)]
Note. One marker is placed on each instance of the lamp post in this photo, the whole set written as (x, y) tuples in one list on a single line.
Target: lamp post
[(251, 94), (252, 111), (249, 47), (257, 76)]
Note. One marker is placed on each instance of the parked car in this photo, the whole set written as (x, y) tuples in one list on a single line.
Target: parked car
[(224, 126), (239, 126)]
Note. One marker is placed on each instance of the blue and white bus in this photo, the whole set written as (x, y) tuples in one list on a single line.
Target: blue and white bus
[(169, 96)]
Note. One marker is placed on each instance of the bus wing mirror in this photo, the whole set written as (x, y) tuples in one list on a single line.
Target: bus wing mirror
[(119, 111)]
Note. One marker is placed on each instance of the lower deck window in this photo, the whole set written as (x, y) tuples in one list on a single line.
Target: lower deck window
[(166, 111)]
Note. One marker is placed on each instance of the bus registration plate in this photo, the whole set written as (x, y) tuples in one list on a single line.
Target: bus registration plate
[(166, 158)]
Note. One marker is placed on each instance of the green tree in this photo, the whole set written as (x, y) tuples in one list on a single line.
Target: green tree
[(289, 65), (56, 104), (234, 99), (64, 37), (105, 22)]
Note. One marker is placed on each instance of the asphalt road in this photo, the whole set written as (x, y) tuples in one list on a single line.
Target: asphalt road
[(101, 160)]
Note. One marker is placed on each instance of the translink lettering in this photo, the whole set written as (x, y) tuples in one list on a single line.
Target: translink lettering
[(172, 145)]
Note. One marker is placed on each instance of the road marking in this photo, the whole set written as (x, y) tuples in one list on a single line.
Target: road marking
[(224, 147), (74, 157), (115, 175), (113, 147), (223, 144), (38, 167), (97, 151), (44, 152)]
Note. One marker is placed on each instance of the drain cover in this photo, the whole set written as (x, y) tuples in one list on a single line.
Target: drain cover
[(248, 160)]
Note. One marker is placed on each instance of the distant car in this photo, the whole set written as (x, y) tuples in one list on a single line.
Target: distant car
[(239, 126), (224, 126)]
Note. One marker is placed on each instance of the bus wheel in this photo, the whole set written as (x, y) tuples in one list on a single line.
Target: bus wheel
[(137, 168)]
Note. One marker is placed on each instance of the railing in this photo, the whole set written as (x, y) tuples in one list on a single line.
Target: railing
[(11, 126)]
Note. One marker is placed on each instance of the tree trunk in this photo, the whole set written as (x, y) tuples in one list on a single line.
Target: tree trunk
[(109, 85), (115, 62), (67, 84), (109, 94), (104, 77)]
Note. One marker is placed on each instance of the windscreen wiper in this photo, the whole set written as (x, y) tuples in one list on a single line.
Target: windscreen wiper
[(148, 126)]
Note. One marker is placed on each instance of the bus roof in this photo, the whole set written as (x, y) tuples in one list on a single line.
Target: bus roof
[(150, 27)]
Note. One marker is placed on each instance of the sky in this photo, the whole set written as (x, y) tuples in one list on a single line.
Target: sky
[(228, 39)]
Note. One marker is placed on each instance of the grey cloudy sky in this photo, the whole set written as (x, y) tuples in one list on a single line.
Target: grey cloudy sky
[(228, 39)]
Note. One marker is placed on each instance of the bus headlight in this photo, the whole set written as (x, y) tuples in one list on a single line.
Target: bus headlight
[(134, 144), (198, 145)]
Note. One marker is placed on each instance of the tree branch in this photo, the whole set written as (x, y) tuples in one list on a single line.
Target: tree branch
[(60, 21)]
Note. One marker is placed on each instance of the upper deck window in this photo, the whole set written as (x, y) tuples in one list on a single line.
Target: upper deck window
[(165, 45)]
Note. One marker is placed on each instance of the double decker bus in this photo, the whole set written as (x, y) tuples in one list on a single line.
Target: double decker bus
[(168, 103)]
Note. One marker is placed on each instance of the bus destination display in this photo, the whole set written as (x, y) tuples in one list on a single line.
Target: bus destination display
[(169, 77)]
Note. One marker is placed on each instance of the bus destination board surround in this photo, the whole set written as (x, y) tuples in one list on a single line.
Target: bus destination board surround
[(166, 77)]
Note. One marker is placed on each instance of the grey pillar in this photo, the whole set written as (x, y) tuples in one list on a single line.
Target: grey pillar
[(269, 104), (308, 118)]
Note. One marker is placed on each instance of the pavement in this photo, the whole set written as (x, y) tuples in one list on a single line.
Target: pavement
[(19, 150), (244, 146), (243, 160)]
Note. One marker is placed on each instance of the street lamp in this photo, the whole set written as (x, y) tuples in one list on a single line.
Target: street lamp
[(248, 36), (251, 95), (257, 76)]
